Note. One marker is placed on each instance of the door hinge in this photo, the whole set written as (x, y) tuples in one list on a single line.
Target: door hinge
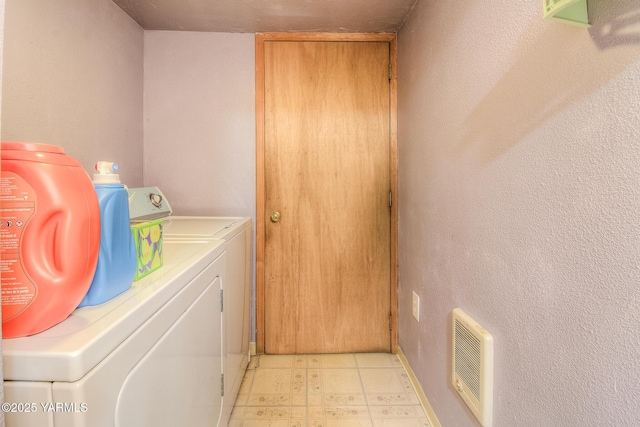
[(222, 385), (221, 300), (390, 322), (390, 72), (390, 199)]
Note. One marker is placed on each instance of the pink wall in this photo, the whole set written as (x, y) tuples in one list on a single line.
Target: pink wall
[(519, 160)]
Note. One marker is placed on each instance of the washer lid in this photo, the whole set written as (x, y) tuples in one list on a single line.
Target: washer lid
[(67, 351), (204, 227)]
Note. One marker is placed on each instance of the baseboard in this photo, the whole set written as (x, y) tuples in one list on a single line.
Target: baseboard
[(252, 348), (433, 420)]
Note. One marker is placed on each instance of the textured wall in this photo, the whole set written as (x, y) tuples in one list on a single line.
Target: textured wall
[(519, 144), (73, 78), (199, 121)]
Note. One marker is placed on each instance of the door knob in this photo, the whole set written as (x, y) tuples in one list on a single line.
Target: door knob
[(275, 216)]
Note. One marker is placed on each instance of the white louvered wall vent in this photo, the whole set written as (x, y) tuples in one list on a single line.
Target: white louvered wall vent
[(472, 366)]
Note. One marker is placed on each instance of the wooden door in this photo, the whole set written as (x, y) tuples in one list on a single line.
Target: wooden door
[(327, 256)]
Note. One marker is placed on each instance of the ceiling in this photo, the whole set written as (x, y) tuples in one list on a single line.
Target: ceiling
[(253, 16)]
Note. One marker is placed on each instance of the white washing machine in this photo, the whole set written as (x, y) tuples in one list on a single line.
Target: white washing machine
[(152, 356), (236, 232)]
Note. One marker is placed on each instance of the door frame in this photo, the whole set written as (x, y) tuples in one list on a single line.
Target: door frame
[(261, 38)]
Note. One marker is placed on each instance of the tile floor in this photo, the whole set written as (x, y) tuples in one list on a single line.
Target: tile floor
[(325, 390)]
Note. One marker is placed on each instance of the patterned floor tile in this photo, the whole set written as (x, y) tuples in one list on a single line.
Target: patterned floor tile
[(332, 361), (369, 390), (377, 360)]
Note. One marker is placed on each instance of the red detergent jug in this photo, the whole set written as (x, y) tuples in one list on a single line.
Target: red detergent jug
[(49, 236)]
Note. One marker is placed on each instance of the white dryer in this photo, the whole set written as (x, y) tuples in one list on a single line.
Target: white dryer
[(237, 234), (152, 356)]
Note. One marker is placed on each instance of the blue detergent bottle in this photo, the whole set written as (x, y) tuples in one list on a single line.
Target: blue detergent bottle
[(117, 258)]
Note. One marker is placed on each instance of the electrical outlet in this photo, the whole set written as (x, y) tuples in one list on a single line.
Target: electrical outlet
[(416, 306)]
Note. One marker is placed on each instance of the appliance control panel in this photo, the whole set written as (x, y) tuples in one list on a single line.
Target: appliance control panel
[(147, 204)]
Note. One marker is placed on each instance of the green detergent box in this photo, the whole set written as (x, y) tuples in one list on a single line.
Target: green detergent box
[(148, 240)]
